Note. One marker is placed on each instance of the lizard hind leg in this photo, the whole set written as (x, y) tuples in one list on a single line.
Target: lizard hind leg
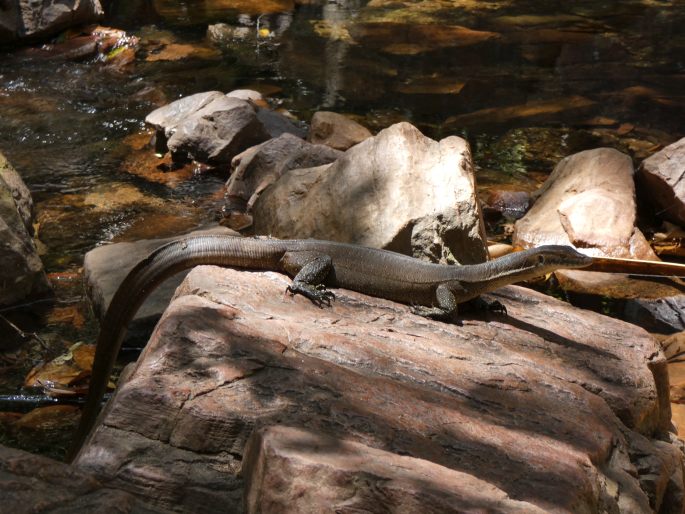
[(446, 309), (311, 271)]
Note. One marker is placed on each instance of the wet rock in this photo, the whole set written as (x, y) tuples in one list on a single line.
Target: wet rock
[(140, 160), (398, 190), (431, 85), (530, 113), (569, 404), (661, 315), (167, 117), (281, 463), (29, 21), (105, 267), (654, 304), (511, 205), (22, 274), (20, 193), (74, 49), (588, 202), (258, 167), (223, 34), (662, 174), (214, 10), (336, 130), (31, 483), (46, 428), (217, 132)]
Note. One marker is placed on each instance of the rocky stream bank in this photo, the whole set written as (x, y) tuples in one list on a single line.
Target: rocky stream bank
[(244, 398)]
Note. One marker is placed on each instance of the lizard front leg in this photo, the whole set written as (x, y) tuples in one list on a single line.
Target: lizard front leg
[(311, 271)]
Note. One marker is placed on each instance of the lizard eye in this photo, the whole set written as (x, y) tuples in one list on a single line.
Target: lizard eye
[(541, 259)]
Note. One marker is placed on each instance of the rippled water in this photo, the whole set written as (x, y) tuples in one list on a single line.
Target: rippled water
[(525, 82)]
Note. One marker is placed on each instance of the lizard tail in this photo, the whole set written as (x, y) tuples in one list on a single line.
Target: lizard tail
[(164, 262)]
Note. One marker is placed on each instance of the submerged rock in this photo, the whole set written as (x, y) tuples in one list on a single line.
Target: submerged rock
[(662, 174), (412, 38), (563, 409), (21, 274), (511, 205), (398, 190), (335, 130), (530, 113)]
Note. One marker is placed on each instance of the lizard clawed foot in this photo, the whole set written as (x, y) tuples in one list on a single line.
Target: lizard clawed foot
[(317, 294), (430, 312)]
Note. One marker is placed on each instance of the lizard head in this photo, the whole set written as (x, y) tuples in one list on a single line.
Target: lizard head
[(532, 263), (545, 259)]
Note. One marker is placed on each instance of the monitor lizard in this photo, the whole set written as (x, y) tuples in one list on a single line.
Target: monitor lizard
[(432, 290)]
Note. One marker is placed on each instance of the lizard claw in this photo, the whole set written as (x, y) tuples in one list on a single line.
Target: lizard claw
[(317, 294)]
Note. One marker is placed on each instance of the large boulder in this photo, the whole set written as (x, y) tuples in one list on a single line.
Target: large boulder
[(213, 128), (589, 202), (22, 274), (258, 167), (662, 174), (38, 20), (561, 409), (398, 190)]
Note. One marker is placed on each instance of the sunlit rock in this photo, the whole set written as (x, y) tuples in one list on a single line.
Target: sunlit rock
[(212, 127), (21, 273), (398, 190), (588, 202), (662, 174)]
